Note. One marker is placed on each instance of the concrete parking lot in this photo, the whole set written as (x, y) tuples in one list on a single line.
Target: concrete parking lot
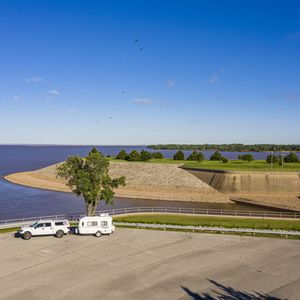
[(145, 264)]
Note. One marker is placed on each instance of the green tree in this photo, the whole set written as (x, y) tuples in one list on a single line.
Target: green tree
[(292, 157), (179, 155), (157, 155), (272, 159), (246, 157), (145, 155), (88, 177), (200, 157), (121, 155), (224, 160), (133, 156), (216, 156), (193, 156)]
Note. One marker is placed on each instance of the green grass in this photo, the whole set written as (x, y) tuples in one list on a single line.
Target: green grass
[(4, 230), (232, 165), (226, 222)]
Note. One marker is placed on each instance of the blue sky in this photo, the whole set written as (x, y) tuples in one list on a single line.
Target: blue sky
[(72, 72)]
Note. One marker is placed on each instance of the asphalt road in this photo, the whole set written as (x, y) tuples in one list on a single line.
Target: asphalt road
[(146, 264)]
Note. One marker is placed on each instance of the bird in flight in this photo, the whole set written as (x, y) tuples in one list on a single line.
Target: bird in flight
[(141, 49), (136, 41), (123, 92)]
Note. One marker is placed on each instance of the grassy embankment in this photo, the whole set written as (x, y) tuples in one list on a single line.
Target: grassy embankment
[(4, 230), (232, 165), (226, 222)]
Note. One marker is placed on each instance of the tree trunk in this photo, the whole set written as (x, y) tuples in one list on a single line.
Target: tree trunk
[(94, 209), (91, 209)]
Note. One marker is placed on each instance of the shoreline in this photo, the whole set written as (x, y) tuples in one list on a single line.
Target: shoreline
[(169, 182), (144, 181)]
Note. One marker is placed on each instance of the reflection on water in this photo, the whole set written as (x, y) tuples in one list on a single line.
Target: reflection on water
[(28, 202)]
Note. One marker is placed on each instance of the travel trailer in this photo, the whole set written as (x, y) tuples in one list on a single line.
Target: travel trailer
[(96, 225)]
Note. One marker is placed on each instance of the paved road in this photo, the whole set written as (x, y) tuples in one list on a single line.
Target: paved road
[(145, 264)]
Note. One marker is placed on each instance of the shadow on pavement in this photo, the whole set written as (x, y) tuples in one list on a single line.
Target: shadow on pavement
[(228, 293)]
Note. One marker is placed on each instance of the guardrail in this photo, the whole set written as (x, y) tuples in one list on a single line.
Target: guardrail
[(200, 211), (176, 210)]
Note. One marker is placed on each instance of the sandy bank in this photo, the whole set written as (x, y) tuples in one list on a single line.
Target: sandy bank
[(144, 181)]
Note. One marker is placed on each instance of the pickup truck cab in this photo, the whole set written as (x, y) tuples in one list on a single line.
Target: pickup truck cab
[(56, 228)]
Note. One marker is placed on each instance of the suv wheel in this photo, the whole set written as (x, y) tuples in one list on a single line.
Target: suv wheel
[(27, 235), (59, 234), (98, 234)]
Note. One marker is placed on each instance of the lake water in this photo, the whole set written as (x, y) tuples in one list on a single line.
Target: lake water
[(17, 201)]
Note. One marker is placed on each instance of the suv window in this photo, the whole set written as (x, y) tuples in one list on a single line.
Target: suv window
[(59, 223), (48, 224)]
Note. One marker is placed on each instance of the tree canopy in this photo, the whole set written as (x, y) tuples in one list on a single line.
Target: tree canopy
[(216, 156), (179, 155), (197, 156), (88, 177), (247, 157)]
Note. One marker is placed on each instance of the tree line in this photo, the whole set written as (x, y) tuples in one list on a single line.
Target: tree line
[(198, 156), (139, 156), (228, 147)]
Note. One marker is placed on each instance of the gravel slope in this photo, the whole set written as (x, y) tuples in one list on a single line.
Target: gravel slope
[(144, 180)]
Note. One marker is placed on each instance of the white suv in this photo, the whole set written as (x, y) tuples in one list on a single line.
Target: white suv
[(57, 228)]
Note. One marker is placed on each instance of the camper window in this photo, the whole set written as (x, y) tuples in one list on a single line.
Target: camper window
[(104, 223), (92, 223)]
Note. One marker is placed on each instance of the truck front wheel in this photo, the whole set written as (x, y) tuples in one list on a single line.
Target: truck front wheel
[(27, 235)]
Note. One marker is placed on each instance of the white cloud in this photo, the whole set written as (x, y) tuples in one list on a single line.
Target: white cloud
[(213, 79), (294, 36), (48, 100), (171, 83), (17, 98), (34, 79), (53, 92), (142, 101), (73, 110)]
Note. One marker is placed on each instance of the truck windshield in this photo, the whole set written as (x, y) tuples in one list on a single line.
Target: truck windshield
[(32, 225)]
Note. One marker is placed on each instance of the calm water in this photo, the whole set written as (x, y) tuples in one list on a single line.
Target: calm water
[(18, 201)]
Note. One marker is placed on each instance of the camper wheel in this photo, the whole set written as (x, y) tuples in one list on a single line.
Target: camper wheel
[(98, 234)]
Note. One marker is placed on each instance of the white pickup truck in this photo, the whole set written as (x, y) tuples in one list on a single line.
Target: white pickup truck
[(57, 228)]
